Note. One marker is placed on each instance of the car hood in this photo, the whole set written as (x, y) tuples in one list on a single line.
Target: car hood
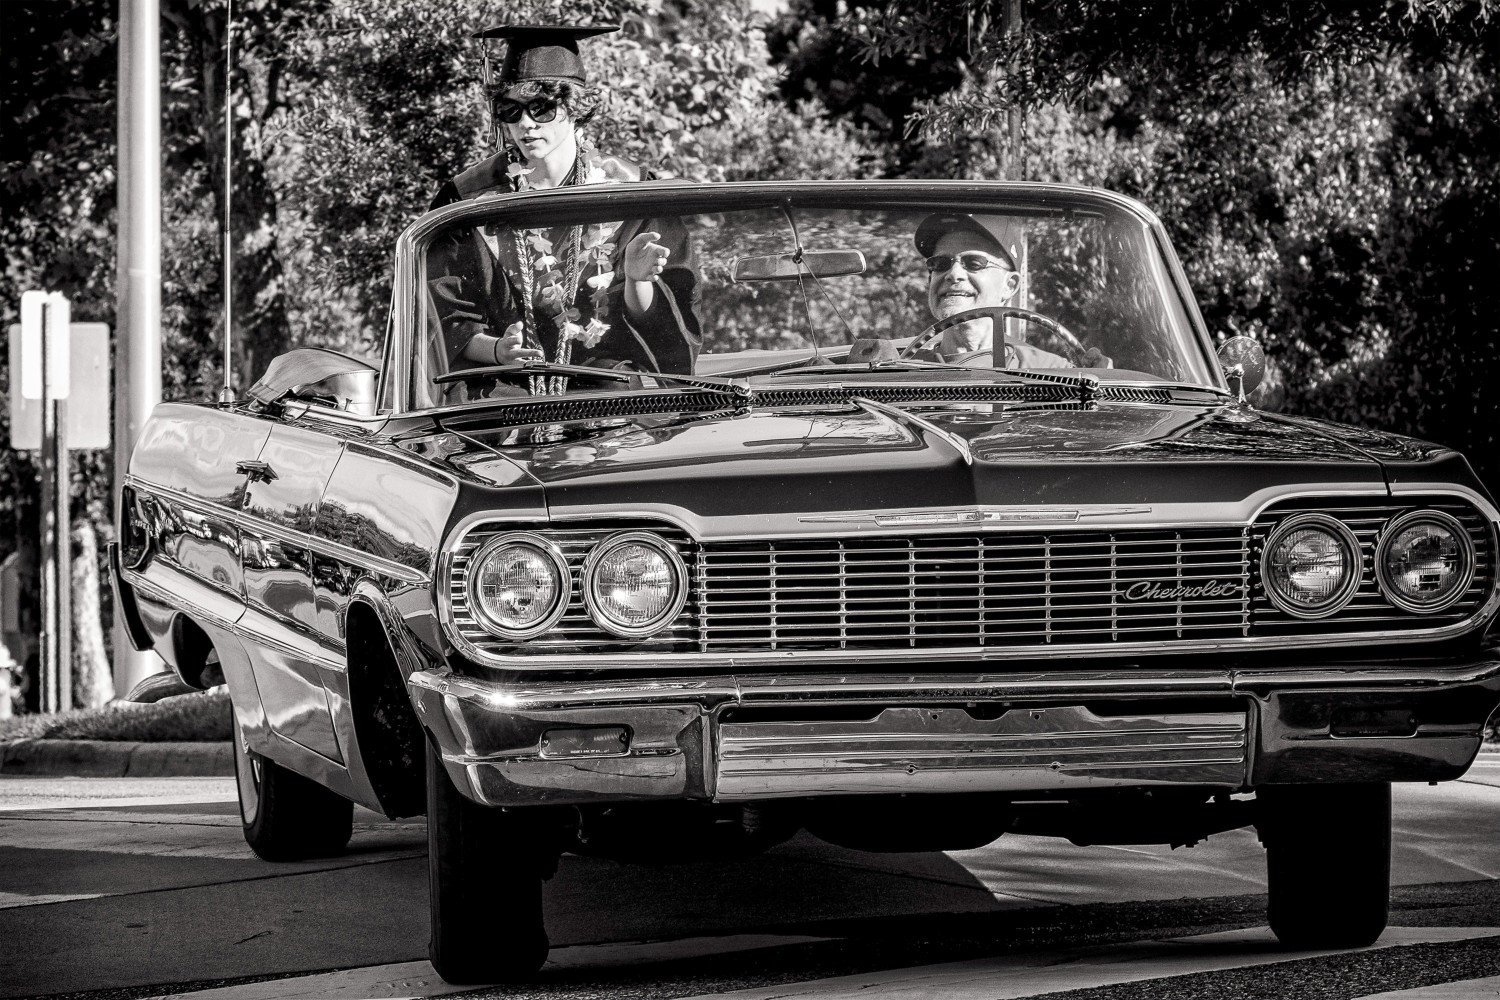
[(864, 457)]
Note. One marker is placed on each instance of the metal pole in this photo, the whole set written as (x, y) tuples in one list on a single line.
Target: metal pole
[(49, 660), (138, 285), (226, 394), (62, 539)]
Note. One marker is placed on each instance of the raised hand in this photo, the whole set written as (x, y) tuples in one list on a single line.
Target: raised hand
[(511, 348), (644, 257)]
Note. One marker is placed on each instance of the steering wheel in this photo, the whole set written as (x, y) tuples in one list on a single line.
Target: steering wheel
[(995, 314)]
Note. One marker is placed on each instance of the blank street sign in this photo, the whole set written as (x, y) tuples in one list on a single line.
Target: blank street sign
[(87, 404)]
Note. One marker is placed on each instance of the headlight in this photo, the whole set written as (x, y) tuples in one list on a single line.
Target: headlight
[(634, 584), (1311, 565), (518, 585), (1425, 561)]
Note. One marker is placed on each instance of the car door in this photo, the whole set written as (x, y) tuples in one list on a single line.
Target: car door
[(293, 657)]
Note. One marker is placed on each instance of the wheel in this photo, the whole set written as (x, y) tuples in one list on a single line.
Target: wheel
[(484, 876), (287, 817), (995, 314), (1328, 862)]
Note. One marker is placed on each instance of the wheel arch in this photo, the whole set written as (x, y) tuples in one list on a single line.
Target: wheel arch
[(191, 653), (388, 737)]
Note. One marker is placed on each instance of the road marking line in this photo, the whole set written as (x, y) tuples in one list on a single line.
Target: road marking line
[(1468, 989), (11, 900), (1010, 977), (417, 979)]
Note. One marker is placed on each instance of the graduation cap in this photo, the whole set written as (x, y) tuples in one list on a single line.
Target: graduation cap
[(539, 52)]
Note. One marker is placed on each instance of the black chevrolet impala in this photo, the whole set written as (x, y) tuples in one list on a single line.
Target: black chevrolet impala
[(909, 514)]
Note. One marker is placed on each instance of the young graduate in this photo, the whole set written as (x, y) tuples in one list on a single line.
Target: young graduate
[(619, 295)]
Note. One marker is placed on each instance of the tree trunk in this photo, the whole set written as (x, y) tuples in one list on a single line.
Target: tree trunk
[(93, 681)]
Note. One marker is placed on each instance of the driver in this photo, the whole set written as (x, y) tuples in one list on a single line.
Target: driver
[(973, 262)]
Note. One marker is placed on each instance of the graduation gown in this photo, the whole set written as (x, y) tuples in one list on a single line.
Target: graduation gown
[(474, 278)]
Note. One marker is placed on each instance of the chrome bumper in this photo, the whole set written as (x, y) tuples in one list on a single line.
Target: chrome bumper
[(731, 738)]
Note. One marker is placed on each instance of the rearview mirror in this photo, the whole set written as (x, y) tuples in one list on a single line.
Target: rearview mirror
[(785, 266)]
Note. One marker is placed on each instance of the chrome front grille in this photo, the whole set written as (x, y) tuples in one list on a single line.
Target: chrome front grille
[(993, 590), (968, 590)]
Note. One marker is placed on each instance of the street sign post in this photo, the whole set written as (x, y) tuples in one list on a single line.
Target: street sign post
[(59, 363)]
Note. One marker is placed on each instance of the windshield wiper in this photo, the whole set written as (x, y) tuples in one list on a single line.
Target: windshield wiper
[(1087, 387), (737, 389), (1173, 387)]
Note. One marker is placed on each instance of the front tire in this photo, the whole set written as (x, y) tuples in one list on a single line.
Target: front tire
[(484, 872), (1328, 862), (285, 816)]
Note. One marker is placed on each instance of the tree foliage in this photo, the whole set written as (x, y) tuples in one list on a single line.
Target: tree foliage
[(1328, 172), (1062, 48), (347, 115)]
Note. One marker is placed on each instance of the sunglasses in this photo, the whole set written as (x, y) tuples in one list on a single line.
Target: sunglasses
[(972, 261), (541, 111)]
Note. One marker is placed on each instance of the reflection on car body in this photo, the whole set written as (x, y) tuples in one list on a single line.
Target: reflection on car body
[(905, 604)]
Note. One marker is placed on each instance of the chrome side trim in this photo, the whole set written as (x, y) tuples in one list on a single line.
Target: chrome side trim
[(947, 750), (980, 515), (321, 546), (156, 592), (254, 637)]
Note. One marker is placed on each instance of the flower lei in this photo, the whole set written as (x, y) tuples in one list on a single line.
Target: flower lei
[(552, 284)]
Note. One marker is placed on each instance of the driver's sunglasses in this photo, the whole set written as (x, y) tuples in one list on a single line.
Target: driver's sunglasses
[(541, 111), (973, 261)]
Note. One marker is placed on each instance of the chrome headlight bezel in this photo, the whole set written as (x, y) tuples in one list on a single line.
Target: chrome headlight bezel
[(559, 564), (679, 578), (1466, 551), (1353, 555)]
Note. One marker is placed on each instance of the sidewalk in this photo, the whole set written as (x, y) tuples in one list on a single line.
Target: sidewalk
[(116, 759)]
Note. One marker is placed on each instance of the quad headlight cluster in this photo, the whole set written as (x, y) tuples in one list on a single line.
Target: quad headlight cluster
[(634, 584), (1312, 564)]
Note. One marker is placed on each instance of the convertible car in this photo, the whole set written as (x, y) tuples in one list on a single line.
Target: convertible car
[(906, 514)]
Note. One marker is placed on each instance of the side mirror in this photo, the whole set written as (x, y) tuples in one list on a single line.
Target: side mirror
[(1243, 362), (787, 266), (318, 376)]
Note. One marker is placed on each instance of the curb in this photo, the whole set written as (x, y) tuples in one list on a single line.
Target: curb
[(111, 759)]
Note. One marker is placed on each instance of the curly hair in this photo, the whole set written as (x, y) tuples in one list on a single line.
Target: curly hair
[(581, 101)]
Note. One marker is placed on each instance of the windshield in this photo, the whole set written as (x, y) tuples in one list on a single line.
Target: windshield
[(785, 291)]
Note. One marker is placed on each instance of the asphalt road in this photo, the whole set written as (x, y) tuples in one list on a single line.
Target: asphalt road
[(129, 888)]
